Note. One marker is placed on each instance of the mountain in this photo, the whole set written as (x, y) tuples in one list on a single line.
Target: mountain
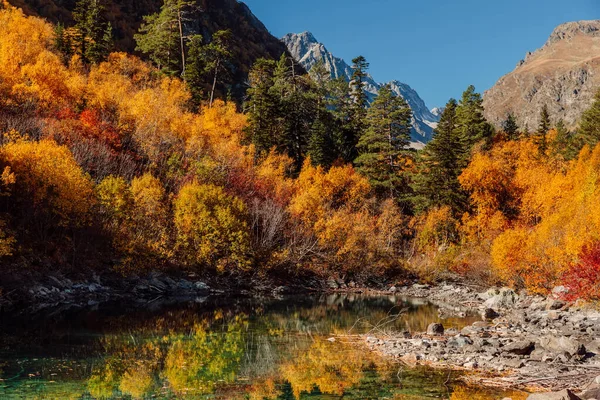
[(305, 48), (564, 75), (251, 39)]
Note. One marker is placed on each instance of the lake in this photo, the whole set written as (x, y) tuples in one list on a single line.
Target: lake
[(222, 348)]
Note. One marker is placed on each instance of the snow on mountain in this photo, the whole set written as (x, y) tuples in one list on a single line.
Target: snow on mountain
[(308, 51)]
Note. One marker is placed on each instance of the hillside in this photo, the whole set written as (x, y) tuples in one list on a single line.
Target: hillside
[(563, 75), (251, 40), (309, 51)]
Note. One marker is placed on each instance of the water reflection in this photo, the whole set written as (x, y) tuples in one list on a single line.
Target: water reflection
[(219, 349)]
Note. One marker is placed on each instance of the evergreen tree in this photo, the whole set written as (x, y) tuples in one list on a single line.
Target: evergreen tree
[(358, 109), (384, 143), (62, 42), (196, 70), (543, 128), (163, 36), (440, 165), (510, 127), (321, 145), (472, 125), (589, 128), (262, 107), (217, 55), (564, 144), (94, 38), (295, 111)]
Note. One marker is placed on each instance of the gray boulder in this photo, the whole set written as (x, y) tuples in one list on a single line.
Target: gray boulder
[(521, 348), (562, 395), (563, 344), (435, 329), (504, 298)]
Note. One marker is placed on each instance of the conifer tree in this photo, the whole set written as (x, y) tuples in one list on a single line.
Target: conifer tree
[(94, 34), (195, 70), (440, 166), (163, 36), (472, 125), (385, 141), (542, 131), (62, 42), (510, 127), (217, 55), (262, 107), (321, 145), (589, 128), (564, 143), (358, 110)]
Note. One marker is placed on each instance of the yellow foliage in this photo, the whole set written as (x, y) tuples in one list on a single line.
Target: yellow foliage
[(212, 226), (46, 173)]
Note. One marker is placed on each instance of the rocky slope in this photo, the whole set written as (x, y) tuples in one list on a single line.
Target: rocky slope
[(309, 51), (564, 75), (251, 39)]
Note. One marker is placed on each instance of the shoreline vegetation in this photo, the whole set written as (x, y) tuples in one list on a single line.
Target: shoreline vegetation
[(129, 178)]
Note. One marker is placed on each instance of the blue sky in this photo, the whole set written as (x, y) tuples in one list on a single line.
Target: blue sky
[(438, 47)]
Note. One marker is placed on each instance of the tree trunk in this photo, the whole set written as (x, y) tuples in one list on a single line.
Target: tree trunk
[(214, 85), (181, 42)]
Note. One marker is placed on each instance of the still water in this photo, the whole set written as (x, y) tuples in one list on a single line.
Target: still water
[(221, 348)]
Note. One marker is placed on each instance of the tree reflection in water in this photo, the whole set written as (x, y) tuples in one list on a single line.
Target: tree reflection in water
[(242, 349)]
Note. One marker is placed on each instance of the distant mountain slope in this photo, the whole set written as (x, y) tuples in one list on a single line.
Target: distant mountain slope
[(309, 51), (251, 40), (564, 75)]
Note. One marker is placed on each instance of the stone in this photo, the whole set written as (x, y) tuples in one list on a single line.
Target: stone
[(471, 365), (592, 393), (435, 329), (521, 348), (506, 298), (489, 313), (560, 292), (459, 341), (393, 289), (201, 286), (332, 284), (562, 395), (562, 344), (555, 304)]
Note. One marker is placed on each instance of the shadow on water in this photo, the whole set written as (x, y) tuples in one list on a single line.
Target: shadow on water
[(220, 348)]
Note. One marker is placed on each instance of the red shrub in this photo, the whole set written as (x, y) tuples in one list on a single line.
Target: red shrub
[(583, 278)]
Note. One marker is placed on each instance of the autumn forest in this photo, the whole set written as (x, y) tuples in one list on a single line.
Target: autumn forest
[(119, 163)]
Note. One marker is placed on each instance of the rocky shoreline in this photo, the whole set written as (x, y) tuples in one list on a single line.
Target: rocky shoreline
[(523, 342)]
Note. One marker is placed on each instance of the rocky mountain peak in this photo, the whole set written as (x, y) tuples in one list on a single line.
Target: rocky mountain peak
[(563, 75), (569, 30), (308, 51)]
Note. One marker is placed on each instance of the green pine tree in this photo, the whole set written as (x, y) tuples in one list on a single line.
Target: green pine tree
[(544, 126), (473, 128), (262, 107), (217, 55), (358, 109), (62, 42), (94, 39), (162, 36), (440, 165), (510, 127), (196, 70), (385, 142), (589, 128), (321, 145)]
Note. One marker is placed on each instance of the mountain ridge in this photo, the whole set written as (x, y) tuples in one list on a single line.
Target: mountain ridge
[(563, 75), (308, 51)]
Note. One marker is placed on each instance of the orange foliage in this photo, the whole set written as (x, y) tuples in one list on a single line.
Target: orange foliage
[(46, 174)]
